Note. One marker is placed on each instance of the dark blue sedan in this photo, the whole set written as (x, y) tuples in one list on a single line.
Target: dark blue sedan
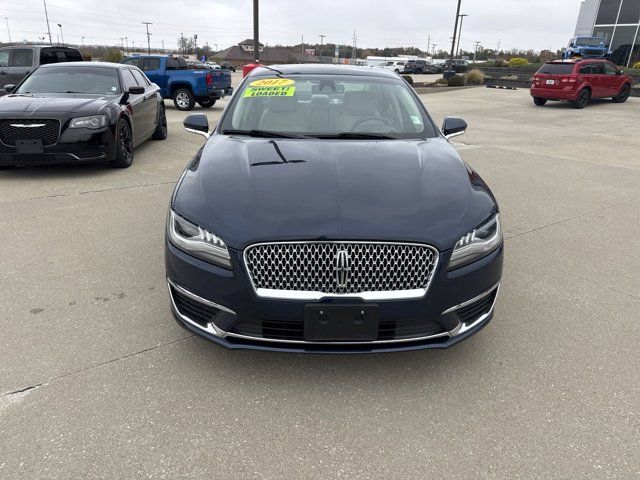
[(328, 213)]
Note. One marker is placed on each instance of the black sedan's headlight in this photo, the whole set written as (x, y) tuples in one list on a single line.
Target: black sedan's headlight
[(476, 244), (92, 122), (197, 241)]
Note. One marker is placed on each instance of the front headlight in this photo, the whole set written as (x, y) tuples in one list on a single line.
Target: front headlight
[(93, 122), (476, 244), (197, 241)]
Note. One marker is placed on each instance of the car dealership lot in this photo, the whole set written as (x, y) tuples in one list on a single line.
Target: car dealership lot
[(97, 379)]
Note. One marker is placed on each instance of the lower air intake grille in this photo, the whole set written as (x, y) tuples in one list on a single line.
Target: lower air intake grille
[(194, 310)]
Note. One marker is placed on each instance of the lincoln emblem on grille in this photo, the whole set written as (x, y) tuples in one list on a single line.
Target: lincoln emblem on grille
[(342, 268)]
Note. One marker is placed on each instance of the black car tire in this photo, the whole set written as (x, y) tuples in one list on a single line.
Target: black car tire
[(622, 97), (161, 130), (583, 99), (397, 71), (418, 71), (539, 101), (183, 99), (207, 102), (124, 145)]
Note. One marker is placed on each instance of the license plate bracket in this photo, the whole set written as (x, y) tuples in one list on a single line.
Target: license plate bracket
[(29, 146), (341, 323), (550, 82)]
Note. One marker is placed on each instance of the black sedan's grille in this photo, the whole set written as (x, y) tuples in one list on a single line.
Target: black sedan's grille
[(341, 267), (47, 130)]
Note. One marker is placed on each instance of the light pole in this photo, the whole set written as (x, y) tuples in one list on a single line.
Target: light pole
[(126, 43), (184, 49), (61, 35), (455, 31), (321, 43), (46, 16), (462, 15), (83, 41), (256, 31), (8, 31)]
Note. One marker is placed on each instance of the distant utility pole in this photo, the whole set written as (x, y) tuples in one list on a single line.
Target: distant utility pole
[(354, 51), (122, 45), (148, 37), (462, 15), (498, 49), (61, 34), (321, 43), (162, 46), (195, 44), (46, 15), (302, 46), (455, 31), (83, 41), (126, 43), (428, 43), (434, 49), (182, 45), (475, 52), (8, 31), (256, 31)]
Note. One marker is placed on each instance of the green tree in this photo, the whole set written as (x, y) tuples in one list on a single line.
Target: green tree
[(113, 56)]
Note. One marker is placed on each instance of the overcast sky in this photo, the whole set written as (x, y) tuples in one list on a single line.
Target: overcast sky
[(536, 24)]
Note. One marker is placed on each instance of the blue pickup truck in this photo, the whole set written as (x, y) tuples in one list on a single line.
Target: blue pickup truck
[(184, 86)]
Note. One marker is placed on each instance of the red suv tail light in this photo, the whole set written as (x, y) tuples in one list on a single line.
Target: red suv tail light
[(569, 79), (209, 79)]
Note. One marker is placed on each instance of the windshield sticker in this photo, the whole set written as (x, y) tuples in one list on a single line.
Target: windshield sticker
[(271, 87)]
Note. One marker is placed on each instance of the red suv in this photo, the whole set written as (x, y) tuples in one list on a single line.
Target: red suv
[(579, 80)]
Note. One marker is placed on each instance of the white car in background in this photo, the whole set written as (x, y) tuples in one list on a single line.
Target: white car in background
[(397, 67)]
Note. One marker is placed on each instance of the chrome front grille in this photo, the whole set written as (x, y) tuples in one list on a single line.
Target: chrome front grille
[(309, 270), (47, 130)]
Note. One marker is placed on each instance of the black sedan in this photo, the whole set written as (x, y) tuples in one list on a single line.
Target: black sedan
[(327, 213), (78, 113)]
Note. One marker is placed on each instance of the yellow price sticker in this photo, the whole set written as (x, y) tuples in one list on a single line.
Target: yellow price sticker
[(270, 91), (272, 82)]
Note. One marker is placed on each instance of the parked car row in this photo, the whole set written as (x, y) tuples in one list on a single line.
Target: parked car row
[(423, 66)]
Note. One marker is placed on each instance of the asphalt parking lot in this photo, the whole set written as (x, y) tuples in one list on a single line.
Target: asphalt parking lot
[(98, 381)]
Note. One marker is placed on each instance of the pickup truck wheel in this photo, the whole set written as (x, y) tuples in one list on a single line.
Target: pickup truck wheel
[(124, 145), (207, 102), (583, 99), (183, 99), (539, 101), (622, 97), (161, 130)]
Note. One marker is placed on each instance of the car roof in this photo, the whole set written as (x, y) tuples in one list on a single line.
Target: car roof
[(577, 60), (31, 45), (72, 65), (323, 69)]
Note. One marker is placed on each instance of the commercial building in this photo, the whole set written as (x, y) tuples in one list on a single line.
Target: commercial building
[(618, 22), (242, 54)]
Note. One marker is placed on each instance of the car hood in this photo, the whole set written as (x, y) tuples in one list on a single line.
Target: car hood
[(43, 104), (249, 190)]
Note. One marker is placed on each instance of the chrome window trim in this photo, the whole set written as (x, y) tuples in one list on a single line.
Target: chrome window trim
[(28, 118), (305, 295)]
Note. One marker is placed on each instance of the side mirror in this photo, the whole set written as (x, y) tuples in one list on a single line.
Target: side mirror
[(197, 123), (9, 88), (453, 126), (136, 90), (619, 72)]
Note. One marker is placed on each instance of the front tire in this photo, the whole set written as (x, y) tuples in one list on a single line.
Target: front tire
[(582, 100), (622, 97), (183, 99), (161, 130), (539, 101), (207, 102), (124, 145)]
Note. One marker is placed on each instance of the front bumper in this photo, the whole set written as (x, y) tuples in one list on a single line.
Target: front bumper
[(74, 146), (457, 305)]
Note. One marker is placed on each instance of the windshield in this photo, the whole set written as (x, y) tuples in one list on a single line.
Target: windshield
[(328, 106), (589, 42), (96, 81)]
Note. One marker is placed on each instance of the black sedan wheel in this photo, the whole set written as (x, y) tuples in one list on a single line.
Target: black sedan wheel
[(161, 130), (124, 145), (207, 102), (539, 101), (582, 99), (183, 99), (623, 95)]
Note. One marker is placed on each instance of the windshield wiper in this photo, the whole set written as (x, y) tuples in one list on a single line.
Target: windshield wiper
[(262, 133), (358, 136)]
